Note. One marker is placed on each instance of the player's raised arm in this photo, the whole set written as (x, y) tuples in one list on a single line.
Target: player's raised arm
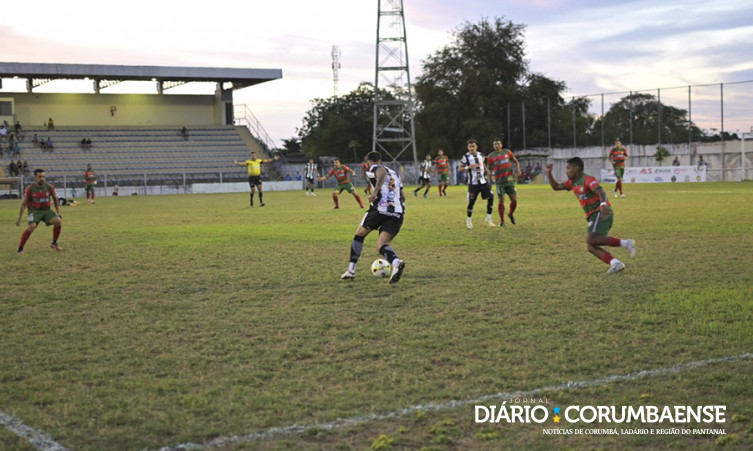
[(240, 163), (553, 183)]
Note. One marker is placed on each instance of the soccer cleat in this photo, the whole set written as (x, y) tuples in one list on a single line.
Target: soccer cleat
[(501, 224), (615, 193), (348, 275), (630, 246), (616, 267), (512, 219), (307, 193), (56, 247), (489, 222), (20, 252), (468, 223), (622, 195), (262, 204), (335, 207), (313, 193), (397, 271), (415, 193), (426, 195)]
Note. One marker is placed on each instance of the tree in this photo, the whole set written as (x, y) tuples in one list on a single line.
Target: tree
[(291, 146), (647, 114), (465, 89), (333, 124)]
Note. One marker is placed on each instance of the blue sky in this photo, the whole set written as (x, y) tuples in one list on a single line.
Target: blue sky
[(593, 46)]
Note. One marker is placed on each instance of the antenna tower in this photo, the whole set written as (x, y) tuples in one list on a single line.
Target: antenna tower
[(335, 66), (394, 132)]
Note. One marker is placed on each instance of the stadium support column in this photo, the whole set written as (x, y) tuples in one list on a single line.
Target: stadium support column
[(224, 104), (394, 130)]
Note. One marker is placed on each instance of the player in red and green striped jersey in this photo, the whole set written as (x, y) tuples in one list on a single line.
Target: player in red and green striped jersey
[(599, 213), (342, 175), (500, 165), (618, 155), (442, 165), (37, 199), (90, 181)]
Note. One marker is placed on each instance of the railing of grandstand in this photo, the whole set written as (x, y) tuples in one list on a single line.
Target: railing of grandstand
[(244, 116)]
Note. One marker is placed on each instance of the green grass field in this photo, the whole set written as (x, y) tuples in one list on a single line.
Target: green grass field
[(195, 319)]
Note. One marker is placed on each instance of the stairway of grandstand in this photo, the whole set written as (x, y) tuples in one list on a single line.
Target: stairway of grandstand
[(123, 153)]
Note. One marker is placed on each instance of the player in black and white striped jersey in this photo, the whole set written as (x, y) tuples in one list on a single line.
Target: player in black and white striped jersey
[(478, 176), (424, 179), (386, 210), (310, 173)]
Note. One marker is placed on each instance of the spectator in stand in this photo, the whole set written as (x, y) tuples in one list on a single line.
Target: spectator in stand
[(115, 190), (13, 169), (35, 140), (3, 132), (18, 128), (701, 162), (86, 143), (676, 162), (48, 144), (184, 133), (25, 168), (50, 125)]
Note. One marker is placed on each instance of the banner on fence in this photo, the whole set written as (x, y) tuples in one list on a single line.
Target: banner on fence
[(657, 174)]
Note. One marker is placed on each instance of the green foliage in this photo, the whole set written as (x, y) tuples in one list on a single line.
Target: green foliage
[(647, 115), (728, 440), (383, 442), (465, 88), (291, 145), (487, 433), (333, 124), (661, 153)]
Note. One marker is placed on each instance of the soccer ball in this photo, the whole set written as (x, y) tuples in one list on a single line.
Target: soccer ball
[(380, 268)]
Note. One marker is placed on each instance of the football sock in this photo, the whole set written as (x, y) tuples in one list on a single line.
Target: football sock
[(24, 238), (56, 233), (388, 253), (261, 199), (501, 211), (337, 201), (513, 206), (358, 199), (252, 199), (490, 205), (607, 258), (471, 203), (355, 249), (613, 242)]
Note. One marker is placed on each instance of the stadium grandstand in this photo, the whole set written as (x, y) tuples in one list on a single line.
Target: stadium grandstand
[(154, 139)]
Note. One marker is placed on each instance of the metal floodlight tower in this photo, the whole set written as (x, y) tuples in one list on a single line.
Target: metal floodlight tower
[(394, 132), (335, 66)]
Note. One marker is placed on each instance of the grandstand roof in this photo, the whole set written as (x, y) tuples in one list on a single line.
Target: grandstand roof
[(40, 72)]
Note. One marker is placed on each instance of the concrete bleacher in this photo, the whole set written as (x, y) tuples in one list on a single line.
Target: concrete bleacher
[(138, 150)]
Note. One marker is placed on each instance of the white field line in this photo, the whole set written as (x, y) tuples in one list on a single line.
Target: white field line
[(288, 431), (38, 439)]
